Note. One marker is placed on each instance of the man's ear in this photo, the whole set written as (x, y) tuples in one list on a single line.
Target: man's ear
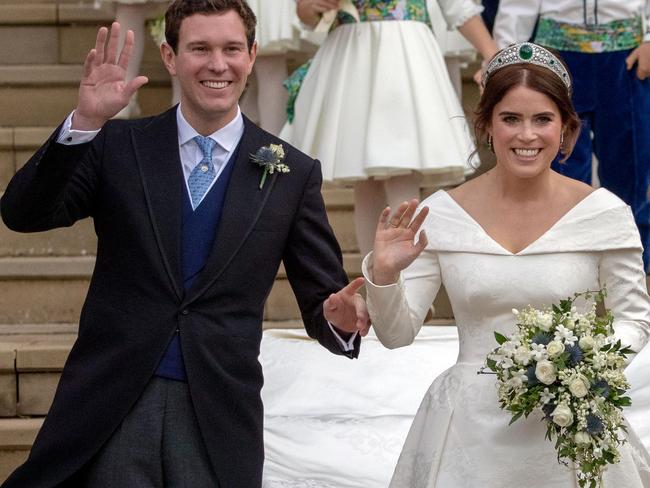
[(253, 56), (168, 57)]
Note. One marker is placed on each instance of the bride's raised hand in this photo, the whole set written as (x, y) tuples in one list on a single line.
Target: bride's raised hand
[(395, 245)]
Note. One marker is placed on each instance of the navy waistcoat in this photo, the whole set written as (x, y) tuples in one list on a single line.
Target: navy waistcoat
[(198, 235)]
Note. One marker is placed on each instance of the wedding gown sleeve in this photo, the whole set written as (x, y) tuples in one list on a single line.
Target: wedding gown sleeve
[(397, 311), (621, 272)]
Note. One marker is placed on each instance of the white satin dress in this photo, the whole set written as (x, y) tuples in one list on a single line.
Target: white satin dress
[(460, 438)]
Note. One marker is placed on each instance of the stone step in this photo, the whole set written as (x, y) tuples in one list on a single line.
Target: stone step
[(35, 290), (16, 438), (39, 76), (52, 33), (45, 95), (27, 388)]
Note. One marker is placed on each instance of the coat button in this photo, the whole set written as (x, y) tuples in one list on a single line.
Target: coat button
[(185, 312)]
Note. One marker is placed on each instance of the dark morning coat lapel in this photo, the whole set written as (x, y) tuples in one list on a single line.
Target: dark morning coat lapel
[(241, 209), (157, 156)]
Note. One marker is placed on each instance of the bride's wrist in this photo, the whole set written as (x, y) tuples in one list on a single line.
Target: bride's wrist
[(384, 277)]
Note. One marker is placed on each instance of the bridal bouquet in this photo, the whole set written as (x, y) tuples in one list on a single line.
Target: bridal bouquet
[(568, 367)]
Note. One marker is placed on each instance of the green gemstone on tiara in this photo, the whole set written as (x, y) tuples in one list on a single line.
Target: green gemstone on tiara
[(526, 52)]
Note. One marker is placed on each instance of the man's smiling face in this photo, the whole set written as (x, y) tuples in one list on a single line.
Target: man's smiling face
[(212, 64)]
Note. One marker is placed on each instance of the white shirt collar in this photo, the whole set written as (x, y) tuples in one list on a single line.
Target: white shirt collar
[(227, 137)]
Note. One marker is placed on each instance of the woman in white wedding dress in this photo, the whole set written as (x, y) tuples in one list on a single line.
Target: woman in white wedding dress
[(519, 234)]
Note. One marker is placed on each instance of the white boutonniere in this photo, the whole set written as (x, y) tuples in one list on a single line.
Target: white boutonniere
[(270, 158)]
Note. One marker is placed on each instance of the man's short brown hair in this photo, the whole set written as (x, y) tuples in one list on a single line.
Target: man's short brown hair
[(180, 9)]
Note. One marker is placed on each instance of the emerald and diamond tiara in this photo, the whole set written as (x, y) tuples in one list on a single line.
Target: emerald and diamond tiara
[(527, 53)]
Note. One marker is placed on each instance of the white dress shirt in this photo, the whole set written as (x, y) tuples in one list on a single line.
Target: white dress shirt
[(516, 19), (226, 138)]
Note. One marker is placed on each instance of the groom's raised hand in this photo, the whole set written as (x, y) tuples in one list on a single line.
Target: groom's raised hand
[(104, 90), (346, 310)]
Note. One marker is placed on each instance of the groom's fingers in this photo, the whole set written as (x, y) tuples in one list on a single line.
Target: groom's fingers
[(363, 319), (353, 287), (113, 38), (332, 303), (100, 44), (125, 54), (135, 84), (89, 63)]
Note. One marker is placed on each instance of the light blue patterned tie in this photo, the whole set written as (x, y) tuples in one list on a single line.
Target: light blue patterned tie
[(203, 173)]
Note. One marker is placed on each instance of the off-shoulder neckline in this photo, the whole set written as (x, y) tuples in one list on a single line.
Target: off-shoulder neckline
[(534, 241)]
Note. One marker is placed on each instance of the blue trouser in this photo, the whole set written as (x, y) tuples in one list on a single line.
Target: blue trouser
[(614, 105)]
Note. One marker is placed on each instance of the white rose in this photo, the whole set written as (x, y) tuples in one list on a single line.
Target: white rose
[(545, 321), (582, 437), (587, 343), (545, 372), (579, 386), (555, 348), (562, 415)]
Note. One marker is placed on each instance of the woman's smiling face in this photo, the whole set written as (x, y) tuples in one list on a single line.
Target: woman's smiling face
[(526, 128)]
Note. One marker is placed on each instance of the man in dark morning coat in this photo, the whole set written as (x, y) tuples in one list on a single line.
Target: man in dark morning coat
[(162, 387)]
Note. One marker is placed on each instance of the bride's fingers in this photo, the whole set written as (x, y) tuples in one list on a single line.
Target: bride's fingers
[(398, 216), (407, 216), (383, 219), (419, 219), (422, 242)]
